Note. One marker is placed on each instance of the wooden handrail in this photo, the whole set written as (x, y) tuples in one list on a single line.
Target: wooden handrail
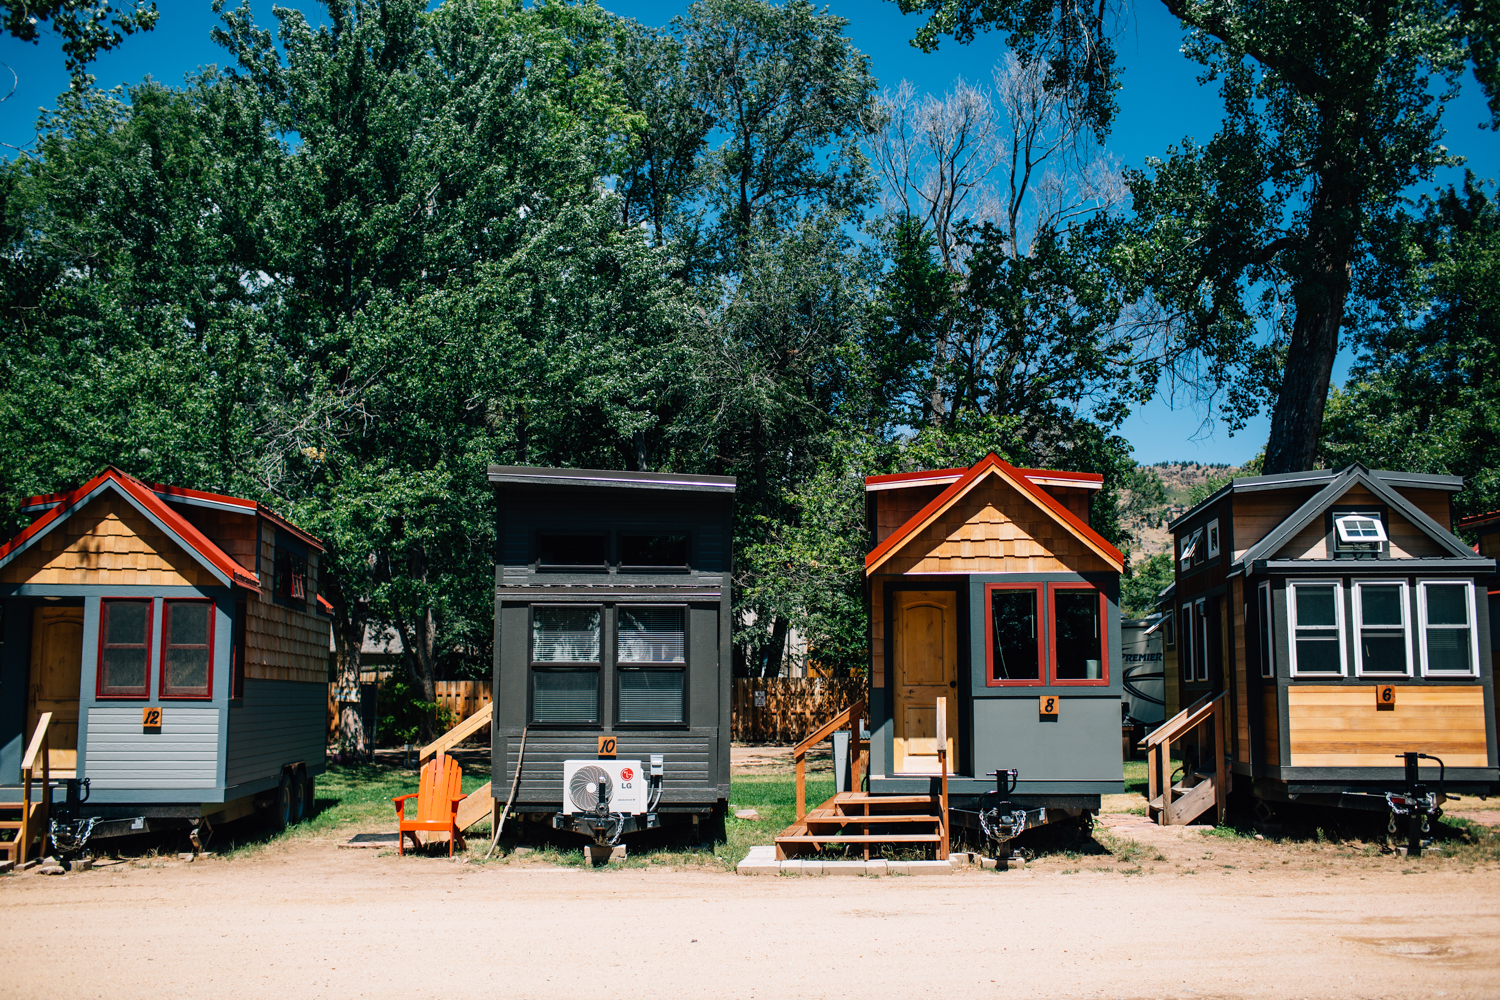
[(827, 729), (855, 712), (457, 734), (38, 737), (1184, 720)]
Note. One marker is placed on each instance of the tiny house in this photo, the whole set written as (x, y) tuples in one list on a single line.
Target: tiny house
[(987, 588), (612, 648), (174, 638), (1341, 625)]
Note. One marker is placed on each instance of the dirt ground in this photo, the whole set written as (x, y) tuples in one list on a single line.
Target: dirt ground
[(1166, 913)]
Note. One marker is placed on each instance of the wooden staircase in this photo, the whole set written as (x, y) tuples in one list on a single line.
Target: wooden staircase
[(848, 817), (480, 802), (1203, 786), (27, 815)]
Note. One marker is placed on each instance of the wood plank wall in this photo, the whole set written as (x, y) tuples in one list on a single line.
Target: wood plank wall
[(1242, 668), (1257, 514), (994, 529), (1434, 503), (107, 542), (893, 508), (281, 643), (234, 533), (1341, 726), (877, 633)]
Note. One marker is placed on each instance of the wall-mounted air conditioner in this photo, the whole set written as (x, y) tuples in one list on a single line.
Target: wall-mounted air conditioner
[(623, 782)]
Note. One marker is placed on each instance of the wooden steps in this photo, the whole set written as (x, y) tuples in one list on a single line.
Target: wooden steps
[(847, 817)]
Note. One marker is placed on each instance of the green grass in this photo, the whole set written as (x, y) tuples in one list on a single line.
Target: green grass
[(1135, 777)]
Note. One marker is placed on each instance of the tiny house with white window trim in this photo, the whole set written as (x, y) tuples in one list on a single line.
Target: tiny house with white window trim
[(1344, 624)]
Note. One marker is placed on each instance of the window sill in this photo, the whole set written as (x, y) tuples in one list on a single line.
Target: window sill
[(122, 697)]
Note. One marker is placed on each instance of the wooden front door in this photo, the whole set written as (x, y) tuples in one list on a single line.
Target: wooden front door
[(926, 669), (56, 663)]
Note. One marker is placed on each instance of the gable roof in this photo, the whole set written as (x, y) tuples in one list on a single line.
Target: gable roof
[(1346, 479), (148, 501), (993, 465), (1041, 477)]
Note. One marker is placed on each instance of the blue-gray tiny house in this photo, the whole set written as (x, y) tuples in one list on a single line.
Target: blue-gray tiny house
[(172, 643), (988, 588)]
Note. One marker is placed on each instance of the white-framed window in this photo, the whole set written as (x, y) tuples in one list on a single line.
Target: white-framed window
[(1382, 628), (1201, 640), (1185, 648), (1358, 533), (1213, 538), (1190, 549), (1265, 623), (1449, 640), (1315, 616)]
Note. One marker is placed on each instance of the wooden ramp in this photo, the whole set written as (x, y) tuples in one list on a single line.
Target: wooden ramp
[(1203, 787), (849, 817)]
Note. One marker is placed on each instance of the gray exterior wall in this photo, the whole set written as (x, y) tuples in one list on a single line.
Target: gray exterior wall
[(183, 755), (276, 723), (1078, 753)]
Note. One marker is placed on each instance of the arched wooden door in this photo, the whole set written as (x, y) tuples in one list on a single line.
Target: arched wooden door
[(56, 665), (926, 669)]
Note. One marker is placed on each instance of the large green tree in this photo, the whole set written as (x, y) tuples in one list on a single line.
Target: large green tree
[(1332, 111)]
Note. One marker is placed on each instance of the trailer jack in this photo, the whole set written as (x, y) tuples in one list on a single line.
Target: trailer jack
[(70, 833), (1417, 806)]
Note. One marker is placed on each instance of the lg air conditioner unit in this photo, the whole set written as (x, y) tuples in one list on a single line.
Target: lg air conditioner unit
[(623, 783)]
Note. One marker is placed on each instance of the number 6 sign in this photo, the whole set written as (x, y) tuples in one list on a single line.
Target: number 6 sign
[(1048, 704)]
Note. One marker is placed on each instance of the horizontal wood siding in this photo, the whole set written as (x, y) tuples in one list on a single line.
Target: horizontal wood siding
[(1309, 543), (277, 722), (1410, 542), (1256, 514), (995, 529), (108, 542), (689, 762), (1241, 668), (1340, 726), (1436, 504), (183, 754)]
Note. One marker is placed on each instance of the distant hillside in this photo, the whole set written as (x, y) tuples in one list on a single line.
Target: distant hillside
[(1178, 478)]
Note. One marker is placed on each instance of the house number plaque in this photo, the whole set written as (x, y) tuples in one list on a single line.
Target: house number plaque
[(151, 718), (606, 746), (1385, 696), (1048, 704)]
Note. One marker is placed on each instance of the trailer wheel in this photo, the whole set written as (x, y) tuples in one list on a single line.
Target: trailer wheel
[(301, 803), (280, 816)]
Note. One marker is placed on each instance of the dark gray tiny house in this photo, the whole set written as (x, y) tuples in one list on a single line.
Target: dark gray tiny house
[(612, 619)]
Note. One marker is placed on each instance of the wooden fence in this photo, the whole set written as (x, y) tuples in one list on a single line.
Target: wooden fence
[(785, 709), (762, 710)]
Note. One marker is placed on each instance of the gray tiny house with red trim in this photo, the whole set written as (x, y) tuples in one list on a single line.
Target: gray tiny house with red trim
[(612, 619), (987, 586), (124, 598)]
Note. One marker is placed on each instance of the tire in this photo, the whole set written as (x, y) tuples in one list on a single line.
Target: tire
[(309, 796), (280, 815), (300, 799)]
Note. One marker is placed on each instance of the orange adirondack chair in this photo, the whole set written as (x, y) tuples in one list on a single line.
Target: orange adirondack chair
[(439, 791)]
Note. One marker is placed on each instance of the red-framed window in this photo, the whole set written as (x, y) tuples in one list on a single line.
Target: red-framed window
[(1013, 635), (124, 648), (1077, 635), (187, 648)]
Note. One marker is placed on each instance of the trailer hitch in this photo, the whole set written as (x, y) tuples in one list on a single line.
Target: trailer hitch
[(1417, 805), (70, 833)]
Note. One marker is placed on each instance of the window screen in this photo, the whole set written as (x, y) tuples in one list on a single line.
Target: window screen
[(650, 657), (1014, 645), (589, 551), (1079, 652), (1447, 633), (565, 664), (1382, 628), (124, 641), (187, 638), (1318, 643), (667, 551)]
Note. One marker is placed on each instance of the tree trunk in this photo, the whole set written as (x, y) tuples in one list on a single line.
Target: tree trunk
[(419, 638), (1319, 295), (348, 638), (776, 648)]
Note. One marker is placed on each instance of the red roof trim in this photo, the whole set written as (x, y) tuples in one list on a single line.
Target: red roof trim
[(1037, 494), (1479, 519), (1087, 480), (167, 492)]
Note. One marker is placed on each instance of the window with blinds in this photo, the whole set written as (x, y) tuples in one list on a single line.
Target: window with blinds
[(650, 664), (565, 643)]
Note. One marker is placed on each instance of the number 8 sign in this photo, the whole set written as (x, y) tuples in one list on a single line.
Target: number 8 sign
[(1048, 704)]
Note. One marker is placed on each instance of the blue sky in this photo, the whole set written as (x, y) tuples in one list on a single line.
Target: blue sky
[(1160, 104)]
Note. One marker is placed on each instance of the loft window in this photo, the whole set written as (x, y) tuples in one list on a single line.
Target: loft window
[(1015, 642), (1382, 641), (124, 649), (565, 664), (1317, 620), (1449, 642), (1266, 632), (1358, 533), (651, 664), (1168, 630), (1191, 554), (1213, 538), (663, 551), (187, 635), (289, 582), (560, 551), (1077, 635)]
